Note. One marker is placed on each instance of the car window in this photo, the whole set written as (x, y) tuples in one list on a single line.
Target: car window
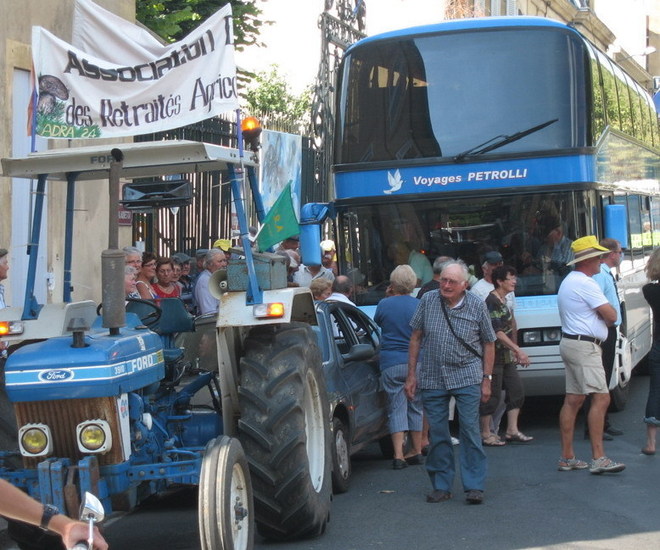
[(342, 331), (364, 330)]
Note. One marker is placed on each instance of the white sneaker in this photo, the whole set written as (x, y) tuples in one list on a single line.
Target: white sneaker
[(454, 441), (603, 464)]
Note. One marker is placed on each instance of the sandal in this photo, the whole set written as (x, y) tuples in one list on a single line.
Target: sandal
[(518, 437), (492, 441)]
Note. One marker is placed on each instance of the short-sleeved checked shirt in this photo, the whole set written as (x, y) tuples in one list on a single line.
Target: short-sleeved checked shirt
[(446, 363)]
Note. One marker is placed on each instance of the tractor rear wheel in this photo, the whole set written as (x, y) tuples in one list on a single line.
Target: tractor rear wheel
[(29, 537), (284, 429)]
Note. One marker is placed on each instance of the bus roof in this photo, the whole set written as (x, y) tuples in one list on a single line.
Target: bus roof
[(479, 23), (144, 159)]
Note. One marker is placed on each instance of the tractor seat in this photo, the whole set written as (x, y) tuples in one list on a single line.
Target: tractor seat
[(175, 317)]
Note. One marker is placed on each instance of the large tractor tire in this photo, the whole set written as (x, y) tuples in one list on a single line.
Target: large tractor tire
[(29, 537), (225, 509), (284, 429)]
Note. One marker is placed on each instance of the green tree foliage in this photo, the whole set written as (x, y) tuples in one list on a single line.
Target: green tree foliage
[(174, 19), (270, 96)]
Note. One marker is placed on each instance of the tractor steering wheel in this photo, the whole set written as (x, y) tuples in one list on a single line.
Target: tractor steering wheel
[(149, 319)]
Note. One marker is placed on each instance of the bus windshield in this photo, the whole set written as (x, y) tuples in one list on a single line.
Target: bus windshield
[(442, 95), (533, 232)]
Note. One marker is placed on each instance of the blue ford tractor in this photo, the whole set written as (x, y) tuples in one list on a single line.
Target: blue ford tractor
[(106, 402)]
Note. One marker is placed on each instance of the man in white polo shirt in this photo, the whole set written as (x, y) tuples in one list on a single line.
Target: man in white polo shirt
[(585, 315)]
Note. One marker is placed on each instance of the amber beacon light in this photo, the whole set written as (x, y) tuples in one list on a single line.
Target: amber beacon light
[(251, 129)]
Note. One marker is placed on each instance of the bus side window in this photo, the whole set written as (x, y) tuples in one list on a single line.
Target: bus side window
[(647, 229), (635, 225), (655, 220)]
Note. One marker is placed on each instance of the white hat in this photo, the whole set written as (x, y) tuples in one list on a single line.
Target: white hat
[(327, 245)]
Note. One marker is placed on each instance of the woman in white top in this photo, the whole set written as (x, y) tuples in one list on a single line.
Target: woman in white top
[(146, 276)]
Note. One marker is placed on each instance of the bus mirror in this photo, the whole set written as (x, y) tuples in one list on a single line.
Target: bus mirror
[(615, 222)]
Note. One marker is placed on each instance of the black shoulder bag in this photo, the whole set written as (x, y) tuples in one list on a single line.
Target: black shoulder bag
[(465, 344)]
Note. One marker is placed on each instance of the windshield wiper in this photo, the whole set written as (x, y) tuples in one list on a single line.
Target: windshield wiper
[(501, 141)]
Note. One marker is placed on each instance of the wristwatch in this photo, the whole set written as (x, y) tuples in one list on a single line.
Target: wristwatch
[(488, 376), (48, 513)]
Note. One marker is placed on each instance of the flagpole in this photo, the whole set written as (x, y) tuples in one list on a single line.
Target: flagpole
[(33, 117), (254, 294)]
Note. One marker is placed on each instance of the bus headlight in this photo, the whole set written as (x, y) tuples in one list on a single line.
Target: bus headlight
[(531, 337), (539, 337), (35, 440), (552, 335), (94, 436)]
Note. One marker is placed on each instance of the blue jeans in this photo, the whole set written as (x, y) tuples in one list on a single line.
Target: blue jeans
[(440, 460)]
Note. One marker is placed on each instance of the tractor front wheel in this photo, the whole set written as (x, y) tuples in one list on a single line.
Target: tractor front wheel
[(225, 510)]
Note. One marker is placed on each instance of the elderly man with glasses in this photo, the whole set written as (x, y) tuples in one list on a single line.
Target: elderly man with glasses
[(133, 257), (459, 350), (205, 301)]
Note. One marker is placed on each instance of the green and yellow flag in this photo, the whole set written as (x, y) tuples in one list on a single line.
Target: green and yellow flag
[(280, 223)]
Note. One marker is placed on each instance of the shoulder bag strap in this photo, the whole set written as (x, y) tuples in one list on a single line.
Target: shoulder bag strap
[(451, 328)]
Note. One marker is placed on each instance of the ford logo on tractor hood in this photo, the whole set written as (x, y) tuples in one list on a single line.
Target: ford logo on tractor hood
[(55, 375)]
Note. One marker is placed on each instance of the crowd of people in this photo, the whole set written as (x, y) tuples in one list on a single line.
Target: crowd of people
[(457, 341), (150, 277), (453, 343)]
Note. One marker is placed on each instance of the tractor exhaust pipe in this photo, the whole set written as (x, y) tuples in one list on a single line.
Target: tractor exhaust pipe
[(112, 260)]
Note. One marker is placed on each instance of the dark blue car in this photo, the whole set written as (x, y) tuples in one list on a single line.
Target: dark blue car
[(350, 344)]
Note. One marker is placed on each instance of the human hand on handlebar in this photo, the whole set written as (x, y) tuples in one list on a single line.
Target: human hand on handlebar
[(73, 532)]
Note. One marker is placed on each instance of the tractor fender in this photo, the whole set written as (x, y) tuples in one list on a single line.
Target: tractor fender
[(298, 306)]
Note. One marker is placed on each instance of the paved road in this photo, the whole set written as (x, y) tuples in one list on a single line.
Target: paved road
[(529, 504)]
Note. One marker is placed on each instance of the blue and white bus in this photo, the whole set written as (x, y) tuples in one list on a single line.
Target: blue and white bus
[(508, 134)]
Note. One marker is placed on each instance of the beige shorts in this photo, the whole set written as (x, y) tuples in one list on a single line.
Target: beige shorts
[(583, 363)]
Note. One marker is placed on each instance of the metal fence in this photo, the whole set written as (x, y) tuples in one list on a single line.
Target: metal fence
[(185, 229)]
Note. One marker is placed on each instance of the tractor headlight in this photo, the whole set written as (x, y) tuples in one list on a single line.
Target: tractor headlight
[(94, 436), (35, 440), (271, 310), (11, 328)]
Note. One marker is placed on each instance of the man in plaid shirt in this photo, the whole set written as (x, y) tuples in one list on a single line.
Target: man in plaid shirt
[(457, 361)]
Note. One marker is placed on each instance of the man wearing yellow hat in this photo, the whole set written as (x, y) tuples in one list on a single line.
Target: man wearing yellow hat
[(222, 244), (585, 315)]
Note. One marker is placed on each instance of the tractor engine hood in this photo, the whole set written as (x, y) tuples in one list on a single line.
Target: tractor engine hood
[(105, 366)]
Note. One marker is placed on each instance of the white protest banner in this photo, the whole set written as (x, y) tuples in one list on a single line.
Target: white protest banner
[(84, 95), (94, 27)]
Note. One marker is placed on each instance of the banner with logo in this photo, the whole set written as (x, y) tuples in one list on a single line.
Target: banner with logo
[(153, 88)]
